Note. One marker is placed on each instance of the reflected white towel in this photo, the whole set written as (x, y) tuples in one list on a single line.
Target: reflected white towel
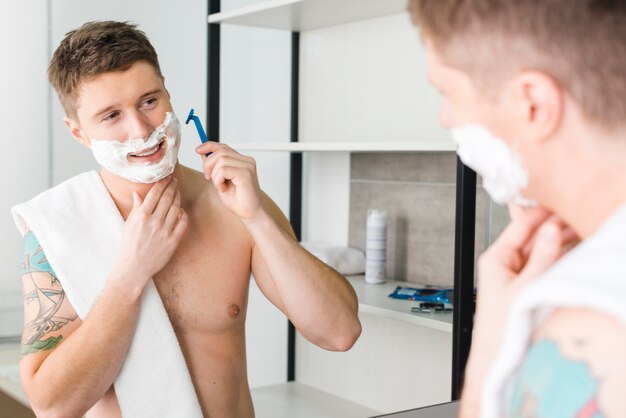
[(80, 228), (346, 260), (591, 276)]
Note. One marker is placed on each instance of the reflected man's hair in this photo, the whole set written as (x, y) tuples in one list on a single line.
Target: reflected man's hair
[(581, 44)]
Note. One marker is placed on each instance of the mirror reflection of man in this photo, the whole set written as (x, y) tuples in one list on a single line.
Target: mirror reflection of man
[(197, 235), (534, 93)]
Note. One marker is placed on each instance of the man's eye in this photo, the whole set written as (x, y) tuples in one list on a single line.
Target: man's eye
[(150, 102), (111, 116)]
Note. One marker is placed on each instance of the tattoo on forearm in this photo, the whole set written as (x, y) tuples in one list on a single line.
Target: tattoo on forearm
[(48, 299)]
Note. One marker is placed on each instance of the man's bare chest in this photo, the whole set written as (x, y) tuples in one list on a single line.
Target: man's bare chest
[(204, 287)]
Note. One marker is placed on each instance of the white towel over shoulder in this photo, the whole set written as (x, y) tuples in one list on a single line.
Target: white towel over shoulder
[(591, 276), (80, 228)]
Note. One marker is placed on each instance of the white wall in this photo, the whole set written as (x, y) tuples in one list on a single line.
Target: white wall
[(24, 171)]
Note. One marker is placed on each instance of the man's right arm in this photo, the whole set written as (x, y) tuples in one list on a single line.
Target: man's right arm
[(69, 365)]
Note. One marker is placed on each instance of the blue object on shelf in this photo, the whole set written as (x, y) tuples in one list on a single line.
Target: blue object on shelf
[(199, 128), (427, 294)]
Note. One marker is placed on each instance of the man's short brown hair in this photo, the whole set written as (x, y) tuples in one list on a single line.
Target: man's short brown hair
[(96, 48), (581, 44)]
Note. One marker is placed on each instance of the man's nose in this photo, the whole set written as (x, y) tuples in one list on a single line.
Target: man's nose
[(139, 127)]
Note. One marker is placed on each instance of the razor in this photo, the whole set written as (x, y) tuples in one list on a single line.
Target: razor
[(196, 120)]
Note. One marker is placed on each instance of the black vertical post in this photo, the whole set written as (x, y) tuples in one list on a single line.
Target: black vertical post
[(463, 316), (213, 76), (295, 186)]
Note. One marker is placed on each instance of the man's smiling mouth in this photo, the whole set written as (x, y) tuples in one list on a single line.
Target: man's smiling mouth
[(150, 151)]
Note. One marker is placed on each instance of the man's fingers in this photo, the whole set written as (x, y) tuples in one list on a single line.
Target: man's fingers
[(520, 213), (137, 200), (173, 213), (236, 175), (569, 235), (166, 200), (154, 195), (181, 225), (531, 242), (210, 146), (220, 176), (545, 252), (517, 235), (226, 161), (221, 159)]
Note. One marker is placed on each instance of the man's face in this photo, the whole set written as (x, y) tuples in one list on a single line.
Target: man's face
[(523, 110), (121, 105), (464, 103)]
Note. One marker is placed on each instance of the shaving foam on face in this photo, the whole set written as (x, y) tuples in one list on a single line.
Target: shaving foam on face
[(503, 175), (113, 155)]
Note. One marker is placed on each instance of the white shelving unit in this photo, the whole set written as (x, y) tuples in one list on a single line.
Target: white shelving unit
[(414, 146), (302, 15), (388, 324)]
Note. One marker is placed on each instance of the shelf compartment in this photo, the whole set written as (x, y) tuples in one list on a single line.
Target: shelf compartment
[(303, 15), (374, 299), (415, 146)]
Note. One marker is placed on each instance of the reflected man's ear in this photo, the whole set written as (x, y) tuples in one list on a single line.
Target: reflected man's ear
[(542, 101), (74, 128)]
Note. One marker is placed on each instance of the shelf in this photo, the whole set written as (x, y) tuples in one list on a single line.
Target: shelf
[(296, 400), (302, 15), (424, 146), (374, 299)]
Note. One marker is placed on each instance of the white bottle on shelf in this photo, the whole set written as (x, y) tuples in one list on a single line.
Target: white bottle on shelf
[(375, 246)]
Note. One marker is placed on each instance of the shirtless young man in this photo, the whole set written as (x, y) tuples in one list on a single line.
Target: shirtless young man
[(198, 235), (535, 92)]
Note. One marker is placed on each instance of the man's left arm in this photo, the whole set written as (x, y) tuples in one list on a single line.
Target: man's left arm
[(319, 301)]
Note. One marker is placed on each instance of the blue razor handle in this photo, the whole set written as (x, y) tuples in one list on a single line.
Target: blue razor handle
[(199, 128)]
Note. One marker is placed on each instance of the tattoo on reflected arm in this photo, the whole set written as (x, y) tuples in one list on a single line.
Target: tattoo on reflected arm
[(550, 384), (48, 296)]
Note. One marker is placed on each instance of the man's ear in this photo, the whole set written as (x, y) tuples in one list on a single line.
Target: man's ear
[(76, 132), (542, 102)]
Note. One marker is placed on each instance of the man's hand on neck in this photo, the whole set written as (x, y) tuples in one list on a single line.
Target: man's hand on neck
[(121, 190)]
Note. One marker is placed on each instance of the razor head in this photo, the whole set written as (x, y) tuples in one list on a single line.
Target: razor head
[(190, 116)]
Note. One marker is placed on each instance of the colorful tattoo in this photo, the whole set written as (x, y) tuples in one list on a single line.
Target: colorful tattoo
[(48, 299), (552, 385)]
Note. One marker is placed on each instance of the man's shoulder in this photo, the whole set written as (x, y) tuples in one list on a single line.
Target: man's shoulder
[(569, 323), (574, 363), (55, 195)]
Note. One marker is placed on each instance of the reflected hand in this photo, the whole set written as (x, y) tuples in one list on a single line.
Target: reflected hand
[(532, 242)]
